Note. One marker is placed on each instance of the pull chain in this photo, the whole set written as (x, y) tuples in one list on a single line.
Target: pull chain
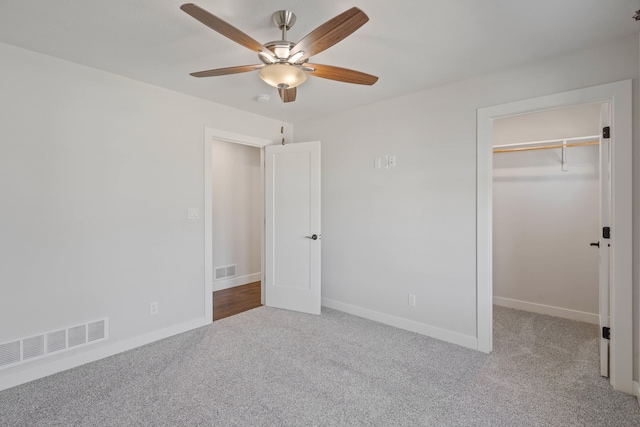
[(282, 125)]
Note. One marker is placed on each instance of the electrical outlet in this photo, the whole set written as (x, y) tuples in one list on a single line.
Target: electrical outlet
[(412, 300), (392, 161), (153, 308)]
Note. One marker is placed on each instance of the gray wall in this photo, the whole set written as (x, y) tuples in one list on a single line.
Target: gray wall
[(96, 175), (412, 228)]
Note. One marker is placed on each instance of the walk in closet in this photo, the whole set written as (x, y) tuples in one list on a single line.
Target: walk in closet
[(546, 211)]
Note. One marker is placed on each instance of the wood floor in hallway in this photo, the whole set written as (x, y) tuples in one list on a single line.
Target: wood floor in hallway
[(228, 302)]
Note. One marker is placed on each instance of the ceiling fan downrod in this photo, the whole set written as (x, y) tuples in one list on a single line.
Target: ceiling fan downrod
[(284, 20)]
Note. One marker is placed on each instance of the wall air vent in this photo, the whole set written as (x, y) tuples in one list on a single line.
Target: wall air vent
[(231, 271), (33, 347), (9, 353), (56, 341), (37, 346), (77, 335), (97, 330), (225, 271)]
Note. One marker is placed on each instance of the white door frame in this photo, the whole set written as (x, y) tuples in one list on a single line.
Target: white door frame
[(604, 220), (619, 96), (210, 135)]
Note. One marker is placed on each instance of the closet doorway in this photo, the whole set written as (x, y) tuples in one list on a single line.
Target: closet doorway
[(619, 97), (550, 202), (546, 212)]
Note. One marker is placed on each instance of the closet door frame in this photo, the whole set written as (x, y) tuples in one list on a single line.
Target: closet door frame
[(619, 97)]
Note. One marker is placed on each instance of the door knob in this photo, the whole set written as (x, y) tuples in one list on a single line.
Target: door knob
[(313, 237), (595, 244)]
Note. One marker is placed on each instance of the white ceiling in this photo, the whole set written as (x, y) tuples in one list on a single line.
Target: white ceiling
[(410, 44)]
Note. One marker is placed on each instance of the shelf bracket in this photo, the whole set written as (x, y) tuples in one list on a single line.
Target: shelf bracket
[(565, 164)]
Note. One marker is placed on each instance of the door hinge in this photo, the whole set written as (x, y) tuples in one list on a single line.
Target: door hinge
[(606, 232), (606, 333), (606, 132)]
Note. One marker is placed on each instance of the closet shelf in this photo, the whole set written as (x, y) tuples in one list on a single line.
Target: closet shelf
[(544, 147), (548, 144)]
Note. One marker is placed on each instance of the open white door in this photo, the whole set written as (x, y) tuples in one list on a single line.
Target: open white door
[(292, 227), (605, 222)]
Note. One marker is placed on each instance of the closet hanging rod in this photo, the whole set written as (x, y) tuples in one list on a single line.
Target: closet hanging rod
[(549, 141), (546, 147)]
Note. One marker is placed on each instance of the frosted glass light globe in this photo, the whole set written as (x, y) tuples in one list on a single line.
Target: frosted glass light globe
[(283, 76)]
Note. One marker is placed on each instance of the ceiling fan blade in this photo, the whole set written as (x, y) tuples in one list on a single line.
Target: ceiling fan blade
[(330, 33), (228, 70), (224, 28), (288, 95), (340, 74)]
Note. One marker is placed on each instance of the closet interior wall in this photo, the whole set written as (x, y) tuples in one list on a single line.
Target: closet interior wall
[(544, 217)]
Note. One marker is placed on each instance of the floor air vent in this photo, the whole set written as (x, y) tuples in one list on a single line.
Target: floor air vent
[(37, 346)]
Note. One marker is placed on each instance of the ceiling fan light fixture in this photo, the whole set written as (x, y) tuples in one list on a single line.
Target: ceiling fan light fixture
[(281, 52), (295, 57), (266, 58), (283, 76)]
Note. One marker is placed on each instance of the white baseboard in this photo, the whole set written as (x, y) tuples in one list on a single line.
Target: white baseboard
[(52, 367), (232, 282), (406, 324), (548, 309), (636, 390)]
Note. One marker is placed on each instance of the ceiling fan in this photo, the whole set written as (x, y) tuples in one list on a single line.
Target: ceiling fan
[(284, 64)]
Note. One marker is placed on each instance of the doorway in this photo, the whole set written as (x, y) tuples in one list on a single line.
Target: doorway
[(211, 135), (619, 97), (546, 208), (237, 215), (290, 169)]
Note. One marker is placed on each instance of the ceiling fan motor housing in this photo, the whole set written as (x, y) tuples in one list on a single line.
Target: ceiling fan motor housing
[(280, 49), (284, 20)]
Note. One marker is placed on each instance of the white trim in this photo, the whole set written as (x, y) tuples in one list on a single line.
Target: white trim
[(636, 390), (484, 231), (31, 373), (399, 322), (262, 230), (550, 310), (209, 135), (236, 138), (232, 282), (619, 95), (208, 225)]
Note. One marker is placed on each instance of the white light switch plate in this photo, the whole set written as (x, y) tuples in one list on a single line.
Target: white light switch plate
[(193, 213)]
